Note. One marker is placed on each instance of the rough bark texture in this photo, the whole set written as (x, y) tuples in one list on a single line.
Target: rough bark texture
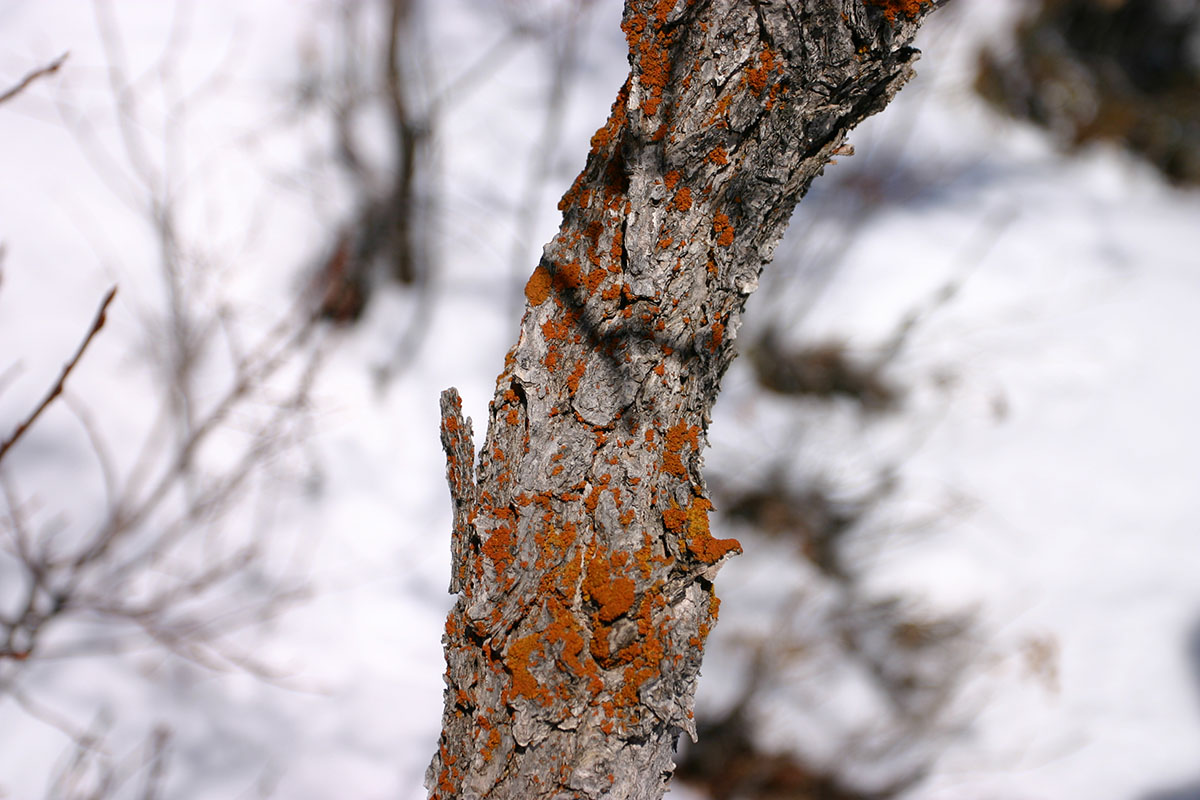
[(582, 552)]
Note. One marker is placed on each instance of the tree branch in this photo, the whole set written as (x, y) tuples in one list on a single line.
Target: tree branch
[(57, 389), (40, 72), (586, 562)]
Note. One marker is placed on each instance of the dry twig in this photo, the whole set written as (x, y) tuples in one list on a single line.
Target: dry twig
[(40, 72), (57, 389)]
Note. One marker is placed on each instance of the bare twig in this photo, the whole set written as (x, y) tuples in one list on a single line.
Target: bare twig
[(57, 389), (40, 72), (84, 740), (103, 453)]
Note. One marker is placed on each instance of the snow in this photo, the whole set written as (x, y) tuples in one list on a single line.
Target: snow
[(1053, 398)]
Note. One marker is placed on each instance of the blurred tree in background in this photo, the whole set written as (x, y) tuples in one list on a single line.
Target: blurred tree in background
[(1125, 71)]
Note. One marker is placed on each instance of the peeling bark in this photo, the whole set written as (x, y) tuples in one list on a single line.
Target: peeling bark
[(582, 552)]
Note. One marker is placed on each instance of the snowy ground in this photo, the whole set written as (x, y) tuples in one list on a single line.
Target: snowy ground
[(1057, 394)]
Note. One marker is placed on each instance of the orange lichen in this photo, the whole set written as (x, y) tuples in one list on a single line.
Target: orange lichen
[(671, 178), (718, 156), (676, 437), (565, 629), (613, 594), (692, 524), (648, 44), (617, 251), (572, 195), (682, 200), (724, 229), (567, 276), (575, 376), (593, 231), (644, 655), (673, 464), (499, 546), (757, 76), (701, 542), (909, 8), (720, 109), (518, 658), (674, 519), (777, 91), (718, 335), (605, 136), (538, 287), (680, 434), (592, 500), (493, 743), (554, 329)]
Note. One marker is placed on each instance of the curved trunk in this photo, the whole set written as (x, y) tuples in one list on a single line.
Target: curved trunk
[(582, 552)]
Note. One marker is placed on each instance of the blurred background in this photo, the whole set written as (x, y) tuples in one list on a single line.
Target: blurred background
[(958, 445)]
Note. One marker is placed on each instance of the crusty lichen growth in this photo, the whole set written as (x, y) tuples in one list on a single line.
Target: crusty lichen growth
[(908, 8), (587, 557)]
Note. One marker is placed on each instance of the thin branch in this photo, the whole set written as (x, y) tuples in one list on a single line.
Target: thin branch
[(104, 458), (255, 374), (57, 389), (85, 741), (40, 72)]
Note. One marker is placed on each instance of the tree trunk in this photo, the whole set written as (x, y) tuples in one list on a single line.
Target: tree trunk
[(581, 550)]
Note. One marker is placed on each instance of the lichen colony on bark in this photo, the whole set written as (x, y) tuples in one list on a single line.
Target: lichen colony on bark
[(582, 552)]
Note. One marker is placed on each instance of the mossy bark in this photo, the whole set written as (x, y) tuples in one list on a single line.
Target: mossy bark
[(583, 558)]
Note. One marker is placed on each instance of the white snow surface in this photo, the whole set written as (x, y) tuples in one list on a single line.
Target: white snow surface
[(1056, 394)]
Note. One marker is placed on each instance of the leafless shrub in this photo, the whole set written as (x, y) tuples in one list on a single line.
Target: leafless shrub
[(171, 561)]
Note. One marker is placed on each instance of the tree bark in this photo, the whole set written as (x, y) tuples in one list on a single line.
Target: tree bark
[(582, 554)]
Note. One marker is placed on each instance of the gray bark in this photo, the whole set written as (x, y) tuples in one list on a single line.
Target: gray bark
[(582, 554)]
